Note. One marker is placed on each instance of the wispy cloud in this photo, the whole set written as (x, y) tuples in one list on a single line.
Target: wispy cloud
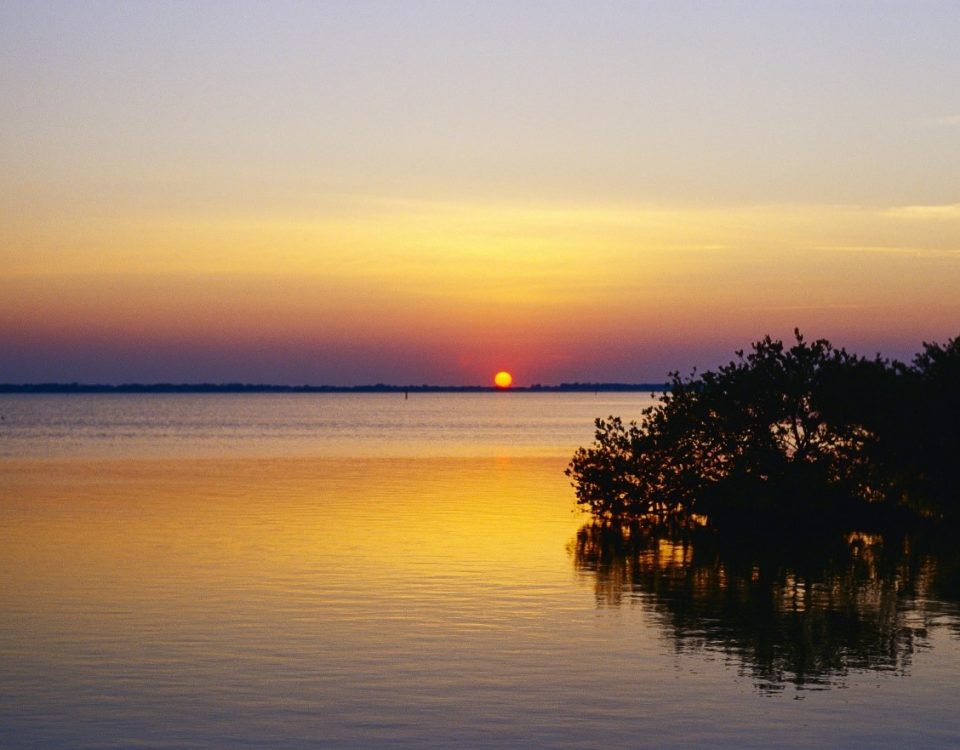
[(947, 121), (916, 252), (940, 212), (807, 308)]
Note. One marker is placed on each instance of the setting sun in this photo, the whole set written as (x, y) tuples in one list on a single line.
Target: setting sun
[(503, 379)]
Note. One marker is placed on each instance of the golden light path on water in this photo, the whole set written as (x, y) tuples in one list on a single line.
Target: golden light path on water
[(320, 589)]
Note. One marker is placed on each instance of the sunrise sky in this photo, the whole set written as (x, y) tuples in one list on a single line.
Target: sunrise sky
[(430, 192)]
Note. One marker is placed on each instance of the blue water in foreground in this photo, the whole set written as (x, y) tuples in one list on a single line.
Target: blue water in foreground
[(361, 571)]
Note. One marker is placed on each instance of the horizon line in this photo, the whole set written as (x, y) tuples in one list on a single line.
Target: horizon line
[(237, 387)]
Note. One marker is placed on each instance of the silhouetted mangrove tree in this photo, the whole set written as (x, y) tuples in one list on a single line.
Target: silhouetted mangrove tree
[(806, 434)]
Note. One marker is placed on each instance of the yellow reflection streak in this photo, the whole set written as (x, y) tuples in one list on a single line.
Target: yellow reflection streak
[(212, 539)]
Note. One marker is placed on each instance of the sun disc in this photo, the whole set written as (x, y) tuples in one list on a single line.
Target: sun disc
[(503, 379)]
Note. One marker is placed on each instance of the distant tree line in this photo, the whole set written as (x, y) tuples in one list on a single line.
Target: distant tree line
[(800, 434), (266, 388)]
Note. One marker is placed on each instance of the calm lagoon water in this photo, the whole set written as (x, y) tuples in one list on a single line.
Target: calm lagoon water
[(345, 571)]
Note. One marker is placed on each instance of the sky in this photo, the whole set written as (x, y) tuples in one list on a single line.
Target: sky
[(429, 192)]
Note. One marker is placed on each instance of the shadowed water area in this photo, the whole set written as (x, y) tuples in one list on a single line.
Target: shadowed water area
[(347, 571), (802, 613)]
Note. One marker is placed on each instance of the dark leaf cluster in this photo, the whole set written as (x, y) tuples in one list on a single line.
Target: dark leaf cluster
[(805, 433)]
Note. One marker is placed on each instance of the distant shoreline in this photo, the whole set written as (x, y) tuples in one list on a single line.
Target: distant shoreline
[(378, 388)]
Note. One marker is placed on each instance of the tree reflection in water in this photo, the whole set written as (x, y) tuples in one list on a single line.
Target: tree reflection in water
[(802, 613)]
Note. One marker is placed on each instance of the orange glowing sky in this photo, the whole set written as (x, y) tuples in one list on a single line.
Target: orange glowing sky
[(427, 193)]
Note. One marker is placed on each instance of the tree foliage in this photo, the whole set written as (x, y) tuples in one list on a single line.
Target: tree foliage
[(801, 432)]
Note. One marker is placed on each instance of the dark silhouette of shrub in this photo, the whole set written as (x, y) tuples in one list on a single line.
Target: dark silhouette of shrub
[(802, 434)]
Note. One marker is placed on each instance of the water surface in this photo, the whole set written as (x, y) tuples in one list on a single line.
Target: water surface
[(362, 571)]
